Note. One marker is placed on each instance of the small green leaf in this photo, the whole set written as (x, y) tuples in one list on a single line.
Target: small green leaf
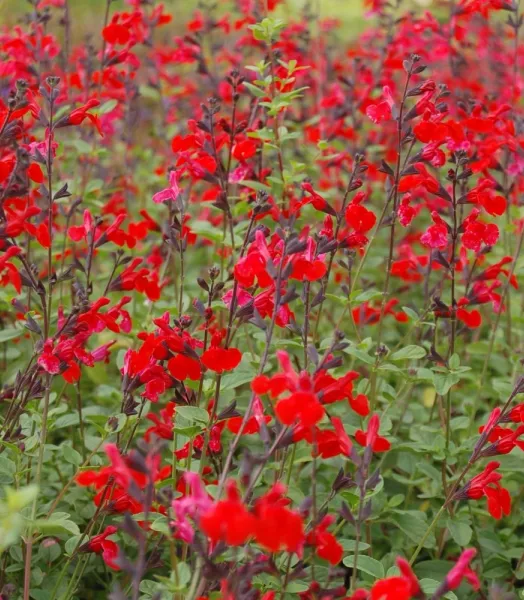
[(193, 414), (430, 586), (461, 532), (9, 334), (414, 526), (107, 107), (18, 499), (444, 382), (409, 353), (367, 565), (56, 526)]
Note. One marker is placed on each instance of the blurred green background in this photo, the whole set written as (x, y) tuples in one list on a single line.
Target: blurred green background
[(87, 15)]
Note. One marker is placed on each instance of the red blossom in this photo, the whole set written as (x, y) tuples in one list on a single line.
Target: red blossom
[(221, 359), (371, 438), (99, 544)]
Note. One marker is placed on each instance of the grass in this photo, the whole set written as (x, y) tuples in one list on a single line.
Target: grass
[(87, 15)]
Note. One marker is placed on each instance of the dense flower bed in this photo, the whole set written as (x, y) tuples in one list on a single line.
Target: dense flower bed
[(261, 327)]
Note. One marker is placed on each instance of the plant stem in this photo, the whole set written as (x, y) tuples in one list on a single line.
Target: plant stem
[(29, 543)]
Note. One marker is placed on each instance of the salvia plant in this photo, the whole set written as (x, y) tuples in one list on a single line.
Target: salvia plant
[(261, 326)]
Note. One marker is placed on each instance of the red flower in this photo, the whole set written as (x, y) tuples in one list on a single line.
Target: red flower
[(476, 233), (516, 414), (462, 571), (360, 218), (161, 428), (392, 588), (371, 437), (483, 194), (252, 425), (406, 213), (381, 111), (328, 443), (422, 178), (221, 359), (487, 484), (326, 545), (99, 544), (407, 573), (115, 33), (303, 407), (307, 266), (244, 149), (316, 199), (471, 319), (35, 173), (8, 272), (172, 192), (229, 520), (277, 527), (119, 469), (77, 116), (183, 367), (80, 232), (436, 236), (360, 405)]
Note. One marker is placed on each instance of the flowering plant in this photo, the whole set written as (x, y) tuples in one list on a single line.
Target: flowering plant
[(261, 321)]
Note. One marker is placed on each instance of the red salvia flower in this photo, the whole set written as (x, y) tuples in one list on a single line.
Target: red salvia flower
[(462, 571), (325, 543), (8, 272), (229, 520), (487, 484), (221, 359), (277, 527), (371, 437), (99, 544), (77, 116)]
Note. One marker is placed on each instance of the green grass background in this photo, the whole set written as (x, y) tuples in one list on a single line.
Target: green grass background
[(87, 15)]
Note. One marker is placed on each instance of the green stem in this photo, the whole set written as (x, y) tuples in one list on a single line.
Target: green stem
[(427, 534), (29, 546)]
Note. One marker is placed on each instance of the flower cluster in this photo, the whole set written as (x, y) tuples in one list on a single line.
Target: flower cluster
[(260, 326)]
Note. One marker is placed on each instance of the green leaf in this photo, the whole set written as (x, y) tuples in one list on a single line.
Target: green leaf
[(94, 185), (409, 353), (444, 382), (430, 586), (410, 313), (244, 373), (256, 185), (56, 526), (454, 361), (497, 568), (72, 543), (360, 355), (9, 334), (107, 107), (367, 295), (82, 146), (432, 569), (414, 526), (71, 455), (7, 470), (461, 532), (366, 564), (256, 91), (193, 414), (18, 499), (66, 421), (161, 525), (349, 546), (206, 230)]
